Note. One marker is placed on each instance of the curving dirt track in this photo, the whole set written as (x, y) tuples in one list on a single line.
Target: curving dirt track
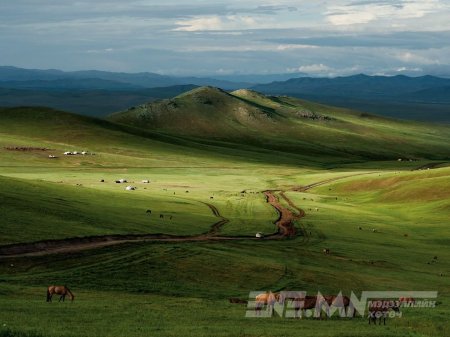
[(284, 223), (215, 228)]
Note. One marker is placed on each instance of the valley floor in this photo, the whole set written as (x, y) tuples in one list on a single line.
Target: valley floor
[(166, 258), (181, 285)]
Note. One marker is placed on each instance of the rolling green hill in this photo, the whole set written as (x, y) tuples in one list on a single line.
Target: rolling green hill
[(288, 125), (211, 158)]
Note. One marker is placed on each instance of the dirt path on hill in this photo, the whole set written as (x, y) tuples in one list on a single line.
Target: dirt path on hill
[(286, 218), (216, 227), (284, 223)]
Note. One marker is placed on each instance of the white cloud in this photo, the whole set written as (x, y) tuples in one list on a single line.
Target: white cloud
[(206, 23), (413, 58), (319, 68), (283, 47), (365, 12)]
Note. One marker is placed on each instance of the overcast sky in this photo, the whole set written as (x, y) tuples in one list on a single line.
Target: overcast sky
[(210, 37)]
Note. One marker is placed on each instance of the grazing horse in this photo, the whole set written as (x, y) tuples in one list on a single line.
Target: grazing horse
[(326, 251), (406, 301), (59, 290), (343, 303), (306, 303), (149, 211), (380, 309), (268, 299)]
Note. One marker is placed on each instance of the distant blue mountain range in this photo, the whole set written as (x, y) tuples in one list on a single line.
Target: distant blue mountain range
[(99, 93)]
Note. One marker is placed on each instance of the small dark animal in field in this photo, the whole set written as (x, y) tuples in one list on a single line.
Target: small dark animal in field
[(187, 191), (102, 181), (173, 192), (405, 235), (326, 251), (149, 211), (59, 290), (161, 216), (118, 182), (170, 218), (374, 230), (211, 197), (435, 258), (360, 228), (237, 301)]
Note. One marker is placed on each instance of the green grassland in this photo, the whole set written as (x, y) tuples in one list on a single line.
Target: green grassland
[(182, 288), (294, 126)]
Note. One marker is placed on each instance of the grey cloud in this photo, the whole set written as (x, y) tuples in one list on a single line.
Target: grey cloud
[(404, 40), (393, 3)]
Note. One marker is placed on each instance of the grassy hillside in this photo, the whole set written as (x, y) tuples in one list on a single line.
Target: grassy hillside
[(288, 125), (183, 288), (174, 285)]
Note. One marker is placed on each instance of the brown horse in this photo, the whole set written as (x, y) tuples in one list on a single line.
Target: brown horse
[(268, 298), (59, 290)]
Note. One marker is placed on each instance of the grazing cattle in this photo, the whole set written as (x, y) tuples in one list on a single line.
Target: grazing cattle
[(145, 181), (374, 230), (435, 258), (379, 309), (326, 251), (211, 197), (187, 191), (149, 211), (161, 216), (130, 188), (259, 235), (317, 209), (59, 290), (360, 228), (170, 217), (102, 180)]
